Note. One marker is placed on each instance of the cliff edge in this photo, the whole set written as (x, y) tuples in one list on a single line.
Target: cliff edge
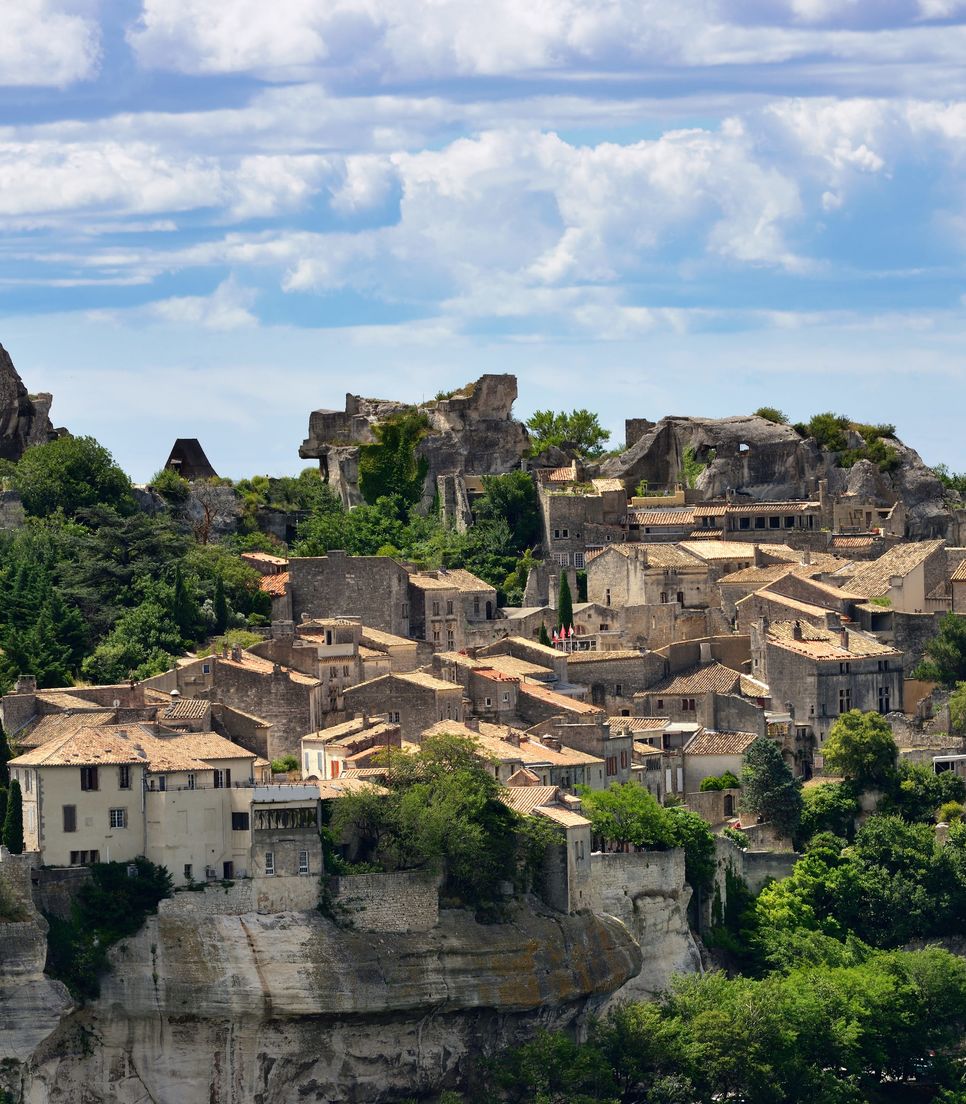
[(24, 419)]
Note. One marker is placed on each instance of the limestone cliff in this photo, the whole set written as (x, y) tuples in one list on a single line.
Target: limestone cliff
[(24, 419), (472, 430), (771, 462), (273, 1009)]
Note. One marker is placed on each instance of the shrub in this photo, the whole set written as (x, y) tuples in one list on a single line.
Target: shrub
[(285, 764), (772, 414), (950, 811)]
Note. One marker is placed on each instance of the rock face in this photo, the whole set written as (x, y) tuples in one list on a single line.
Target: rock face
[(288, 1007), (770, 462), (24, 420), (472, 430)]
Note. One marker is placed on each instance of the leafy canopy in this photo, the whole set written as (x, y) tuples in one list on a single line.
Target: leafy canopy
[(860, 746), (769, 787), (69, 474), (945, 659), (579, 428)]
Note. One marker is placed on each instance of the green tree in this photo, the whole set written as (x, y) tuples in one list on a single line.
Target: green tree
[(513, 499), (69, 474), (861, 747), (184, 608), (220, 606), (171, 487), (3, 808), (828, 807), (579, 428), (772, 414), (945, 660), (692, 467), (390, 466), (626, 814), (916, 792), (957, 709), (565, 603), (4, 760), (13, 821), (769, 788), (544, 636)]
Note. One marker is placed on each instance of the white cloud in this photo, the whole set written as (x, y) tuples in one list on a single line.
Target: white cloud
[(227, 308), (43, 43)]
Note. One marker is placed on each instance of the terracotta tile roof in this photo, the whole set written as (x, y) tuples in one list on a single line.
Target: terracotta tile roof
[(423, 678), (600, 657), (637, 724), (720, 743), (673, 516), (702, 679), (795, 605), (185, 709), (55, 725), (720, 550), (657, 555), (430, 582), (759, 508), (559, 701), (209, 745), (521, 668), (465, 580), (753, 688), (852, 542), (524, 799), (275, 585), (523, 776), (116, 745), (959, 575), (603, 485), (378, 638), (494, 675), (871, 580), (820, 644), (254, 663), (705, 534), (264, 558), (642, 749), (558, 475), (566, 818), (350, 783), (64, 699)]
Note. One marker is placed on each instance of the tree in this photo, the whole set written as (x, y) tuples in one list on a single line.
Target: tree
[(945, 660), (513, 499), (544, 637), (957, 709), (772, 414), (626, 814), (829, 807), (13, 821), (579, 428), (69, 474), (220, 606), (565, 603), (4, 760), (184, 609), (769, 788), (861, 747)]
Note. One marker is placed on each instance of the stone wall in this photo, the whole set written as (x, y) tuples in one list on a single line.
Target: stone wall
[(911, 633), (648, 893), (56, 888), (373, 588), (11, 510), (406, 901), (283, 893)]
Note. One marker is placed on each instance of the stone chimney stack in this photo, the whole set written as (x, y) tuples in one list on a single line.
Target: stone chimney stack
[(796, 630), (236, 653), (25, 684)]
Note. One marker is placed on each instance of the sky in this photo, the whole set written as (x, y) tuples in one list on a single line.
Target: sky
[(218, 216)]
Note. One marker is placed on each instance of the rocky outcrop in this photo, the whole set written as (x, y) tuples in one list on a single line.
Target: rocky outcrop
[(289, 1007), (765, 461), (471, 430), (24, 419)]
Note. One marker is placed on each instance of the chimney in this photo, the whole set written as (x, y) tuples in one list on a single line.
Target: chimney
[(759, 556), (236, 653), (807, 556), (551, 742), (705, 651), (365, 719), (844, 639), (513, 738), (26, 684), (224, 651), (796, 630), (276, 668)]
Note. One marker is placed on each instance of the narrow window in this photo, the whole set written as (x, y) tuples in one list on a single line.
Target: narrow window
[(845, 700), (70, 818), (124, 777), (88, 777), (162, 782), (206, 668), (303, 862), (191, 781), (269, 864), (187, 872)]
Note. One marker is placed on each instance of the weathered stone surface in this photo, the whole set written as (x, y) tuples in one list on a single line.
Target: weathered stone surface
[(289, 1007), (24, 421), (770, 462), (472, 430)]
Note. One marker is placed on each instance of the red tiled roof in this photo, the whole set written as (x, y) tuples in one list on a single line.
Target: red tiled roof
[(276, 585)]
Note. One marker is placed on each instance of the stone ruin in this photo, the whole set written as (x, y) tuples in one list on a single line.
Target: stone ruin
[(472, 431)]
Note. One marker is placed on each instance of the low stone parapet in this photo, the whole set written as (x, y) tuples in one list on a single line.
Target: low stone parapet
[(405, 901)]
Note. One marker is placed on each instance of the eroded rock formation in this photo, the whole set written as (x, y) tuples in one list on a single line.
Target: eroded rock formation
[(24, 419), (472, 430), (771, 462), (289, 1007)]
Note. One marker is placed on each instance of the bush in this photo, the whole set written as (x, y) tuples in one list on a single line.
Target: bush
[(70, 474), (285, 764), (772, 414), (950, 811), (171, 487)]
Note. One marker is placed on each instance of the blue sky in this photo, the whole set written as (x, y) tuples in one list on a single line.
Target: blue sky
[(215, 217)]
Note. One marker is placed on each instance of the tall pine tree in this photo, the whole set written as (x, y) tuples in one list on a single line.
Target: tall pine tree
[(221, 606), (13, 821), (184, 609), (544, 637), (565, 603), (4, 759)]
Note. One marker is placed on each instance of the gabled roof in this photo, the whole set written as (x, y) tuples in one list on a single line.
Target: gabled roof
[(56, 725), (637, 724), (275, 585), (872, 580), (524, 799), (822, 644), (720, 550), (559, 701), (720, 743), (702, 679)]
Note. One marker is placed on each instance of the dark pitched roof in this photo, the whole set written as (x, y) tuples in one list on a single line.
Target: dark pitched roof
[(189, 461)]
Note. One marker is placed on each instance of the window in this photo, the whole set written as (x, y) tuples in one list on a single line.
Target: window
[(505, 696), (118, 818), (405, 609), (187, 873), (611, 764), (624, 760), (578, 559), (394, 717), (487, 702), (774, 523), (663, 596), (659, 704), (790, 521), (70, 818), (561, 559), (744, 523), (883, 699), (162, 782), (191, 781), (345, 670), (269, 864), (476, 607), (435, 636), (449, 607), (604, 626), (318, 760), (759, 523), (82, 858), (303, 862), (435, 609), (607, 597), (450, 640), (222, 779), (124, 778), (618, 690), (845, 668), (206, 668), (239, 822), (561, 534), (845, 700), (88, 778), (883, 665), (687, 705)]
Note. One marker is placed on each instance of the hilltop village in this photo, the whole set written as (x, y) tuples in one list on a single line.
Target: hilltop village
[(714, 596)]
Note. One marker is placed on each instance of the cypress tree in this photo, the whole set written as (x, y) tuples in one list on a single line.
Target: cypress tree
[(565, 603), (13, 821), (544, 637), (3, 809), (221, 606), (184, 612), (4, 759)]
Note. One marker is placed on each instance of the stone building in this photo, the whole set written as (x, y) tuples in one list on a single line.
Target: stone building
[(614, 677), (817, 674), (374, 589), (648, 574), (288, 700), (905, 575), (579, 517), (414, 700), (445, 606), (711, 754), (330, 752)]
